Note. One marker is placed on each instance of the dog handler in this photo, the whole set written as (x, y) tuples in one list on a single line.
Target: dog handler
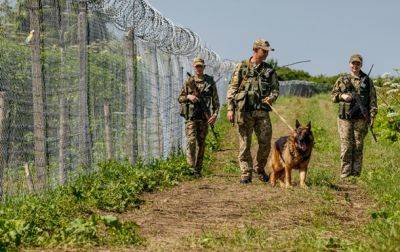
[(253, 86)]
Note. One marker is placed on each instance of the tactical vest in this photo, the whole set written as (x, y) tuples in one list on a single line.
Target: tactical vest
[(255, 85), (201, 109), (351, 110)]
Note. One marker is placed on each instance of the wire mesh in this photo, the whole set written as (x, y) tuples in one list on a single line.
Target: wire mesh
[(131, 67)]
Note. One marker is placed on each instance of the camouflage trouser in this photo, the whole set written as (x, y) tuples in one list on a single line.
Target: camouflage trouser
[(259, 122), (352, 133), (196, 132)]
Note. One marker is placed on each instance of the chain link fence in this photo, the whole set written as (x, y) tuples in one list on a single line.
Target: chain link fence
[(86, 81)]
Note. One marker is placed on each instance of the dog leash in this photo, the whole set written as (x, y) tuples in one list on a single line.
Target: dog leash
[(280, 117)]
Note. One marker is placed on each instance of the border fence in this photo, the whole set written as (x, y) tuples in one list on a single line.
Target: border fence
[(85, 81)]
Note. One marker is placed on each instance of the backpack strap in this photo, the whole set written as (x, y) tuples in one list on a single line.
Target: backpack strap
[(245, 64)]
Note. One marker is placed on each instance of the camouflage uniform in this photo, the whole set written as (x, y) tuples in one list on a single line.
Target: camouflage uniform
[(196, 115), (352, 125), (251, 83)]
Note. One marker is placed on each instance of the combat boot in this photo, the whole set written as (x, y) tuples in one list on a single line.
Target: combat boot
[(197, 172), (344, 175), (246, 180), (263, 177)]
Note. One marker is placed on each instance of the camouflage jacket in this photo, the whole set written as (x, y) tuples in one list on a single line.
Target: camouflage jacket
[(204, 88), (347, 84), (240, 78)]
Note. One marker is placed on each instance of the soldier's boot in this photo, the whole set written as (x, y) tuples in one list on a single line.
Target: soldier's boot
[(246, 176), (263, 177), (197, 172), (245, 180), (344, 175), (357, 167), (346, 169)]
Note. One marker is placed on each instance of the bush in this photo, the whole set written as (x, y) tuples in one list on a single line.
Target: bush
[(388, 119)]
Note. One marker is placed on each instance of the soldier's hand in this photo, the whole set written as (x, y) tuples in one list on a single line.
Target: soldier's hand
[(192, 98), (212, 120), (371, 122), (231, 116), (346, 97), (266, 100)]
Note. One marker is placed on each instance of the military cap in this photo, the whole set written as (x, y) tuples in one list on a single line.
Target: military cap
[(356, 57), (263, 44), (198, 62)]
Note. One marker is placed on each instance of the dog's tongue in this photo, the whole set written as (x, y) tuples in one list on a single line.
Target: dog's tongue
[(303, 146)]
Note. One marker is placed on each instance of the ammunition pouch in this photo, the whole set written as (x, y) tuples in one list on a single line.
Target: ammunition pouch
[(240, 104), (265, 90), (184, 110), (253, 101), (190, 111), (344, 110)]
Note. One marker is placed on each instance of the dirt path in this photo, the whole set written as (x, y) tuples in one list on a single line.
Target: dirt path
[(218, 202)]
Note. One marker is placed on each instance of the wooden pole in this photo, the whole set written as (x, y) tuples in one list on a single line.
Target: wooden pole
[(39, 117), (28, 176), (4, 139), (155, 94), (84, 136), (130, 110), (62, 142)]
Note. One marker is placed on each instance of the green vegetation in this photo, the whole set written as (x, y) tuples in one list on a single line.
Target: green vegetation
[(83, 213), (323, 228), (324, 82), (388, 119)]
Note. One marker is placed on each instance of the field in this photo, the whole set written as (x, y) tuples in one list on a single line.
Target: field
[(218, 213), (159, 206)]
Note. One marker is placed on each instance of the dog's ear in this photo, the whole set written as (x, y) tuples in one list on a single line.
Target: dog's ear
[(309, 125), (297, 124)]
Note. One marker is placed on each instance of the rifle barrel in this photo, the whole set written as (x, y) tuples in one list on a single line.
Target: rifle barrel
[(297, 62)]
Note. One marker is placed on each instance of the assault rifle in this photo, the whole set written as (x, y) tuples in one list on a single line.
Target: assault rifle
[(295, 63), (363, 110)]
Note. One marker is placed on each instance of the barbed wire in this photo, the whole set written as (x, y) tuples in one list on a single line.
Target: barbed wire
[(150, 25), (163, 53)]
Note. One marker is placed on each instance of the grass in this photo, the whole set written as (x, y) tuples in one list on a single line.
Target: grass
[(321, 228), (83, 213)]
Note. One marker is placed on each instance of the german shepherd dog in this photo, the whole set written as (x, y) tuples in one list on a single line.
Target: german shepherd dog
[(292, 152)]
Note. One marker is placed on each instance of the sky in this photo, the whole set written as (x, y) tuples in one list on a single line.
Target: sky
[(326, 32)]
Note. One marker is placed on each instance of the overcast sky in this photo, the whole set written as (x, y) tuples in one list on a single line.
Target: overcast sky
[(327, 32)]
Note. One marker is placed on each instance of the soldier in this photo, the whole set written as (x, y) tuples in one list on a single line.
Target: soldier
[(253, 86), (355, 93), (199, 106)]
